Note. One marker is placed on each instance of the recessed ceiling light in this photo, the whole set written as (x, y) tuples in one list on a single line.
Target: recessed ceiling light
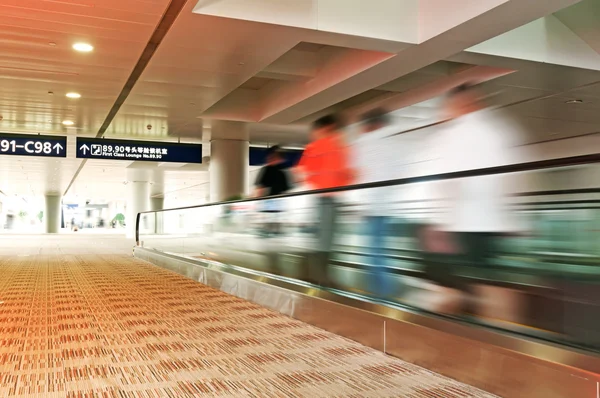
[(73, 95), (83, 47), (574, 101), (68, 122)]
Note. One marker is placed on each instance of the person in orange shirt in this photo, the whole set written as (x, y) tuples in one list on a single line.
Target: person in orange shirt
[(325, 164)]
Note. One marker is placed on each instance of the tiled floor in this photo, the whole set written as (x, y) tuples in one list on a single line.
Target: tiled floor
[(81, 318)]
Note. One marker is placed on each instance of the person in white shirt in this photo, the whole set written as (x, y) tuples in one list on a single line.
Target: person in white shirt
[(374, 159), (474, 211)]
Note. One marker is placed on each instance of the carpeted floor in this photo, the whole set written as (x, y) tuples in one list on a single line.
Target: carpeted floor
[(79, 317)]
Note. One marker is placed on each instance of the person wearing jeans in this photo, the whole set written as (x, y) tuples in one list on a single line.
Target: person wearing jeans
[(325, 164), (375, 160), (378, 229)]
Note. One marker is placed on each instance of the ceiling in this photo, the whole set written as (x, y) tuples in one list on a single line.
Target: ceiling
[(176, 65)]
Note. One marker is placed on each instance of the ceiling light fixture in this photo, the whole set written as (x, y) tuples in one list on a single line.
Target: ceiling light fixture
[(68, 122), (73, 95), (83, 47), (574, 101)]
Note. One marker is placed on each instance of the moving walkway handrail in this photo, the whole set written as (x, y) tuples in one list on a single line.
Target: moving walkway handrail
[(512, 168)]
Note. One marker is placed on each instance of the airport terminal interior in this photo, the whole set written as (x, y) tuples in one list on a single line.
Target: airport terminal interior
[(300, 198)]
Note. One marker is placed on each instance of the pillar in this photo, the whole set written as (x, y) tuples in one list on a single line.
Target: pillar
[(138, 198), (157, 203), (229, 160), (52, 214), (157, 198)]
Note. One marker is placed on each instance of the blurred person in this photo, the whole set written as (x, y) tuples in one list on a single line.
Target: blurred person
[(374, 159), (476, 213), (325, 164), (271, 181)]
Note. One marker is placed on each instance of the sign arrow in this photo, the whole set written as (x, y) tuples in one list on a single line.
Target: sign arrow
[(133, 150), (33, 145)]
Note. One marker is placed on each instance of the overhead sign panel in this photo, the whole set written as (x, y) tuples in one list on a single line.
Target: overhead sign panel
[(258, 156), (33, 145), (99, 148)]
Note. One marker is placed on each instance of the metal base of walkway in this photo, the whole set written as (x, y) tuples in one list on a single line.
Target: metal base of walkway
[(501, 363)]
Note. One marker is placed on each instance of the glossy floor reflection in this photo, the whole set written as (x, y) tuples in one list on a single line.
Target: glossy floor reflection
[(81, 317)]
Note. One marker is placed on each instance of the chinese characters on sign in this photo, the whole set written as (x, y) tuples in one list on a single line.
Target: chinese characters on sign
[(97, 148), (124, 151)]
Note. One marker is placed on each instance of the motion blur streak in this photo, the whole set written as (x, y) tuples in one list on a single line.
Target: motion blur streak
[(516, 250)]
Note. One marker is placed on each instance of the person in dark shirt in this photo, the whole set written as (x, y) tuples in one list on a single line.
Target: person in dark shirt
[(272, 181)]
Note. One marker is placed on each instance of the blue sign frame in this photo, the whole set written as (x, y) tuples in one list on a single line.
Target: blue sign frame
[(258, 156), (131, 150), (49, 146)]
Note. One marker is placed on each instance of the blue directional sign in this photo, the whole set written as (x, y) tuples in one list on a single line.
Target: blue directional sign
[(100, 148), (33, 145), (258, 156)]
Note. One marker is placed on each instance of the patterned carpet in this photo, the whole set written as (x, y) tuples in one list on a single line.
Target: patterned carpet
[(83, 323)]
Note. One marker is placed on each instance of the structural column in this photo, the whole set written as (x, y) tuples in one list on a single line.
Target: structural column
[(157, 204), (157, 198), (138, 198), (52, 214), (229, 160)]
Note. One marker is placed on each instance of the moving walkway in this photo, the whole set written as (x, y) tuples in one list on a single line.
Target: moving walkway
[(542, 304)]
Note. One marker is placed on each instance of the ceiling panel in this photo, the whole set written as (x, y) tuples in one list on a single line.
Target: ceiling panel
[(555, 108), (38, 67), (201, 61), (590, 92)]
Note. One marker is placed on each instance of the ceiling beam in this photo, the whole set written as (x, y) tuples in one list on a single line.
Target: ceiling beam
[(294, 65), (290, 104), (168, 18), (394, 101)]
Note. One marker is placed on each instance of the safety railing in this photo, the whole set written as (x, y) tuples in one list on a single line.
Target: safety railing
[(539, 276)]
